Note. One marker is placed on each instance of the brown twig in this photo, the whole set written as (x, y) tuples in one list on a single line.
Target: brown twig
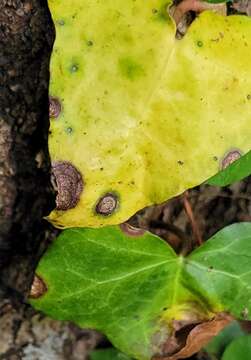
[(190, 215)]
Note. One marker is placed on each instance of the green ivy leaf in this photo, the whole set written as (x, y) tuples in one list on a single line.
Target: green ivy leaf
[(237, 171), (239, 349), (133, 288), (219, 343), (108, 354), (218, 1)]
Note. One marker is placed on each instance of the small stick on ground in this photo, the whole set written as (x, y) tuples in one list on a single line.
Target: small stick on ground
[(190, 215)]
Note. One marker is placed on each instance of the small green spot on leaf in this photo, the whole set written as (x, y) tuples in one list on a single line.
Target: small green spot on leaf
[(161, 14), (108, 354), (130, 68)]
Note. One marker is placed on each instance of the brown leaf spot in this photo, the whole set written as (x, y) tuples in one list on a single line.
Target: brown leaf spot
[(54, 107), (107, 204), (38, 288), (188, 338), (131, 230), (69, 185), (230, 157)]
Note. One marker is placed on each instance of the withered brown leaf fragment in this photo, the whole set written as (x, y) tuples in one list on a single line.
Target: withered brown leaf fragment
[(243, 6), (38, 288), (188, 339), (181, 12)]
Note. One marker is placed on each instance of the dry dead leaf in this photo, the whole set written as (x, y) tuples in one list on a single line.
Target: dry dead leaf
[(178, 11), (243, 6), (189, 338)]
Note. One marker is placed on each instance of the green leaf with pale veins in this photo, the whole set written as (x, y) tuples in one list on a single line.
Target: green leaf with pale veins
[(218, 1), (132, 288), (108, 354), (219, 343), (222, 270), (239, 349)]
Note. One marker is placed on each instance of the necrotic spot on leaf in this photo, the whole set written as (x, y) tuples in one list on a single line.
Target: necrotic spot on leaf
[(38, 288), (54, 107), (69, 184), (69, 130), (188, 338), (61, 22), (107, 204), (131, 230), (74, 68), (230, 157)]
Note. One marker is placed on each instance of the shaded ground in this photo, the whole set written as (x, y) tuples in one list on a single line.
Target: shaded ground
[(31, 336)]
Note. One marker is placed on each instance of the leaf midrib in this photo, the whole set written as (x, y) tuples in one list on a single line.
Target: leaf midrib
[(118, 278)]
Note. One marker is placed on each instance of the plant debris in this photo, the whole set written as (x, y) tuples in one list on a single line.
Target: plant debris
[(184, 12), (242, 6)]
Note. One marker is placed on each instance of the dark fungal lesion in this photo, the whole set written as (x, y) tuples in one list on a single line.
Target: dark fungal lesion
[(230, 157), (55, 107), (69, 185), (74, 68), (107, 204)]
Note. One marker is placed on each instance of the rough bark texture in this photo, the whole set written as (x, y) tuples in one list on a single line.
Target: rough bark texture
[(26, 196)]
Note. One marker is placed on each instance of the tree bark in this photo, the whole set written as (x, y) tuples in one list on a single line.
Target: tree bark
[(26, 194)]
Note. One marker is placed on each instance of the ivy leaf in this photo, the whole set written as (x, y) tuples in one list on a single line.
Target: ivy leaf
[(142, 295), (239, 349), (108, 354), (221, 268), (218, 1), (219, 343), (141, 115), (236, 171)]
